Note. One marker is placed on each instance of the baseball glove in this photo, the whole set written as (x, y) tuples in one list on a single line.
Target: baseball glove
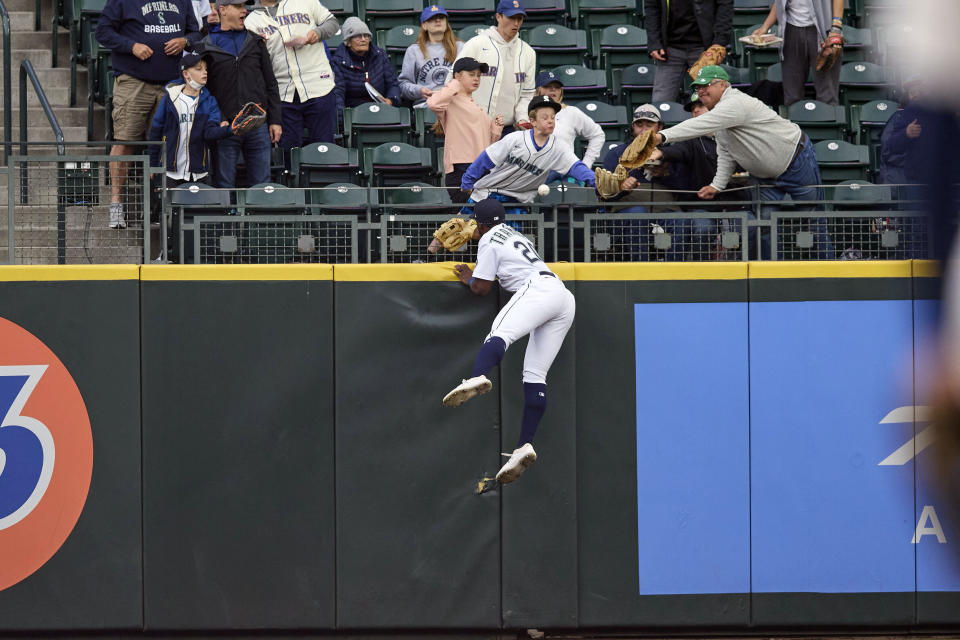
[(248, 118), (830, 52), (638, 152), (455, 232), (608, 184), (715, 54)]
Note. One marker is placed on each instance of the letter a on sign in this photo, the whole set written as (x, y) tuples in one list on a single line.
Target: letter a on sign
[(929, 515)]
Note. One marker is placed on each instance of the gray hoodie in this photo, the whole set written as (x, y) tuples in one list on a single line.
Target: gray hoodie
[(428, 71)]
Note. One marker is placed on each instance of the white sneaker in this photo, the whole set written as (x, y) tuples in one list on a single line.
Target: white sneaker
[(519, 460), (466, 390), (116, 216)]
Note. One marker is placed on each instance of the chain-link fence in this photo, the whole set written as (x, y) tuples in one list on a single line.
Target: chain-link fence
[(679, 237), (846, 235), (269, 239)]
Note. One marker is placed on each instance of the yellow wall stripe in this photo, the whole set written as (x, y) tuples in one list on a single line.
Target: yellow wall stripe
[(661, 271), (431, 272), (231, 272), (831, 269), (926, 269), (61, 273)]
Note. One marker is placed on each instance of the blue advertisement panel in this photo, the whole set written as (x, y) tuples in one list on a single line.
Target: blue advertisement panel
[(692, 448), (828, 384)]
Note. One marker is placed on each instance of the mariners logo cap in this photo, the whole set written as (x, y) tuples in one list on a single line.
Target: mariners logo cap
[(708, 74), (489, 212), (469, 64), (546, 77), (189, 60), (647, 112), (430, 11), (511, 8), (544, 101)]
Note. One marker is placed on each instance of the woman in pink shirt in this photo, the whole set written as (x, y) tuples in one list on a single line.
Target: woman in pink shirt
[(467, 128)]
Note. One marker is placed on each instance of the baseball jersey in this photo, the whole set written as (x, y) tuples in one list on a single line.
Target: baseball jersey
[(505, 254), (186, 110), (520, 167), (305, 70)]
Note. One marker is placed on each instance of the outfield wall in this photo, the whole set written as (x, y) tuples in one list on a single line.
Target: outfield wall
[(725, 446)]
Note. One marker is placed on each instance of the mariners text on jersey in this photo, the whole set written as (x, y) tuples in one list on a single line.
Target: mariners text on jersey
[(529, 167), (160, 5)]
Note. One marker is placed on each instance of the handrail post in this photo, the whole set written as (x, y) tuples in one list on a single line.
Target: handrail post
[(7, 82)]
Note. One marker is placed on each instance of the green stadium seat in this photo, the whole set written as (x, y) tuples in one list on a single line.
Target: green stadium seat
[(334, 41), (748, 12), (371, 124), (866, 124), (557, 45), (634, 84), (619, 46), (340, 8), (383, 14), (395, 163), (580, 82), (396, 40), (672, 113), (470, 31), (427, 198), (343, 198), (591, 14), (860, 194), (751, 56), (274, 198), (859, 44), (614, 120), (774, 73), (462, 13), (270, 242), (322, 163), (424, 119), (839, 160), (186, 201), (862, 82), (740, 77), (544, 12), (819, 120)]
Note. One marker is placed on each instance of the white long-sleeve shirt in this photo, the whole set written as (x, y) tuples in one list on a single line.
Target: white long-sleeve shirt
[(572, 122), (508, 86), (748, 132)]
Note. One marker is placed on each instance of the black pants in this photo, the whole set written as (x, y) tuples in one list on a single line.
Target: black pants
[(801, 46), (452, 182)]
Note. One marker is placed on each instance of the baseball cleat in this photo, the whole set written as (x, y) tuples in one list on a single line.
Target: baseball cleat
[(519, 460), (466, 390)]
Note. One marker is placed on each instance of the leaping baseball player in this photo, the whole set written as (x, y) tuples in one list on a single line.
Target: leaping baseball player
[(541, 306)]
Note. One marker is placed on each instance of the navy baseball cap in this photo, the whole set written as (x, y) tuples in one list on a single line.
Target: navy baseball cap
[(469, 64), (510, 8), (489, 212), (546, 77), (189, 60), (430, 11), (544, 101)]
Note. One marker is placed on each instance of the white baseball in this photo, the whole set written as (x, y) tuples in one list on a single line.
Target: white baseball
[(543, 190)]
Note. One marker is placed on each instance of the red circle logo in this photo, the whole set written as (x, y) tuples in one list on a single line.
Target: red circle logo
[(46, 453)]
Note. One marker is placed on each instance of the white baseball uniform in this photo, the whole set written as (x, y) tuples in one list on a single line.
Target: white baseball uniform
[(520, 167), (541, 305)]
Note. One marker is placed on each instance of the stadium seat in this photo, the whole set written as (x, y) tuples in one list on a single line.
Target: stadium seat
[(371, 124), (619, 46), (88, 13), (426, 197), (186, 201), (860, 194), (395, 41), (634, 84), (866, 125), (774, 73), (544, 12), (557, 45), (614, 120), (272, 197), (672, 113), (469, 31), (582, 83), (753, 57), (748, 12), (323, 163), (383, 14), (343, 198), (740, 77), (592, 14), (839, 160), (859, 44), (334, 41), (819, 120), (862, 82), (424, 119), (340, 8), (461, 13), (270, 242), (394, 163)]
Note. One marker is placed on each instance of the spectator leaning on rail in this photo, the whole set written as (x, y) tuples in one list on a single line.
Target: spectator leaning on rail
[(806, 27), (145, 38), (294, 31), (678, 31), (508, 86), (240, 72), (773, 150), (428, 61), (358, 61)]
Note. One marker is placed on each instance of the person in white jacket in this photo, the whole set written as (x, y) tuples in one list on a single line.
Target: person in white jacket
[(293, 31), (508, 86), (571, 122)]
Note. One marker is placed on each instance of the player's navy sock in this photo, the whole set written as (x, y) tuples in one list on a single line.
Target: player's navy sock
[(534, 404), (491, 353)]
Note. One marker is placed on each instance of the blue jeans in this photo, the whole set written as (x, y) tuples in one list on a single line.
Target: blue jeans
[(256, 157), (798, 182), (319, 115)]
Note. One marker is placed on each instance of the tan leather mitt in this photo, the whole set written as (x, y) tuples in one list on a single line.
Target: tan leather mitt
[(638, 152), (715, 54), (608, 184), (455, 232)]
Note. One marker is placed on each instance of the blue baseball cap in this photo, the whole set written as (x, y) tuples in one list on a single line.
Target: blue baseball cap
[(489, 212), (430, 11), (511, 8), (546, 77)]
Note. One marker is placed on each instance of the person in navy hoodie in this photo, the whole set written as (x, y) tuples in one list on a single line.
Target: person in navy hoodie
[(240, 72), (356, 61), (145, 38)]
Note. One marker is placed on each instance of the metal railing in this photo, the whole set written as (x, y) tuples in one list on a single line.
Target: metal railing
[(26, 70), (7, 83)]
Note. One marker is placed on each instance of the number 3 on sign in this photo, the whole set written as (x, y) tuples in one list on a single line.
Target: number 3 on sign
[(527, 250), (26, 446)]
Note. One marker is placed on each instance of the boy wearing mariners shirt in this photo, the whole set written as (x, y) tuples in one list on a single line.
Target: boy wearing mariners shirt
[(541, 307), (512, 169)]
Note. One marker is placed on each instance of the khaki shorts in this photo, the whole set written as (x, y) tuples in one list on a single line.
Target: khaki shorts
[(134, 102)]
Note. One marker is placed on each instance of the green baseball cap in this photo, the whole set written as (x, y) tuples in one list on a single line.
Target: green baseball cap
[(709, 73)]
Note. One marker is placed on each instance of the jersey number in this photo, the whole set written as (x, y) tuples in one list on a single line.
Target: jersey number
[(527, 250)]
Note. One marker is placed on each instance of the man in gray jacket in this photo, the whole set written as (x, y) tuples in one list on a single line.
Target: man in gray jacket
[(776, 153)]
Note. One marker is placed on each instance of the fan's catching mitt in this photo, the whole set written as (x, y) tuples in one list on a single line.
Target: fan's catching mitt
[(453, 234), (715, 54), (830, 52), (638, 152), (250, 117), (608, 184)]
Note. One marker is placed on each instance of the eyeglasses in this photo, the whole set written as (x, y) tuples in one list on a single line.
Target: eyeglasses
[(703, 87), (646, 115)]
